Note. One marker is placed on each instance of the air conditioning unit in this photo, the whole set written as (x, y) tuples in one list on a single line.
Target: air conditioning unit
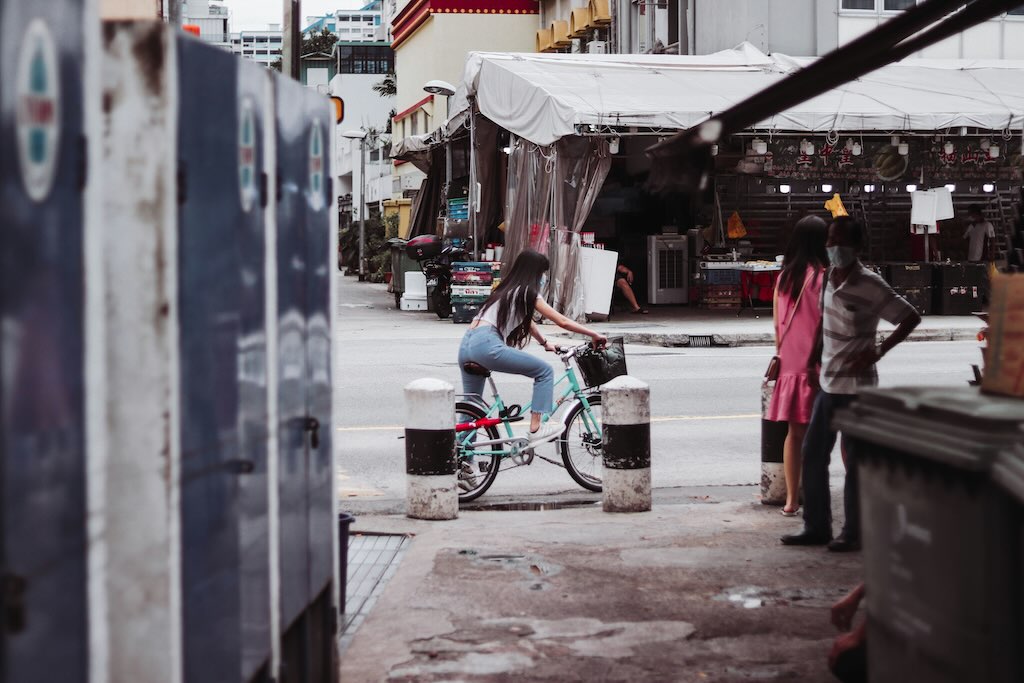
[(597, 47), (667, 281)]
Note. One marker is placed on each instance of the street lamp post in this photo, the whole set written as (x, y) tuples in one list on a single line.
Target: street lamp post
[(361, 136), (437, 87)]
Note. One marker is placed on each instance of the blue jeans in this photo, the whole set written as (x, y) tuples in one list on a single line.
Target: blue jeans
[(485, 346), (817, 452)]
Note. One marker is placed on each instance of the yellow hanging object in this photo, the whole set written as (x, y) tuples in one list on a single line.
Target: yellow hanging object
[(835, 205), (736, 229)]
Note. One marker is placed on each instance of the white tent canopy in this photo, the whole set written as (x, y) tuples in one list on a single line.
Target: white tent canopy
[(544, 97)]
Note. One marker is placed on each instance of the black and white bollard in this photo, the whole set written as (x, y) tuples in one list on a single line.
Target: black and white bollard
[(626, 443), (773, 440), (431, 491)]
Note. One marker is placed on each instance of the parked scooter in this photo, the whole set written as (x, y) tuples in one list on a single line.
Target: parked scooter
[(436, 259)]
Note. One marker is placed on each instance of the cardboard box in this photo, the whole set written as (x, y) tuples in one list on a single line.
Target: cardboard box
[(1004, 354)]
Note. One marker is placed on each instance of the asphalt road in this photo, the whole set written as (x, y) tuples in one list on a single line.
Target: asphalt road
[(704, 402)]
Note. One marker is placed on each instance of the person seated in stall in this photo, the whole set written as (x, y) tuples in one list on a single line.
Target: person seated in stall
[(624, 283)]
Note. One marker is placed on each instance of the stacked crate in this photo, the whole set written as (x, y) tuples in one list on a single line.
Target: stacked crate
[(912, 281), (720, 288), (471, 285), (959, 287)]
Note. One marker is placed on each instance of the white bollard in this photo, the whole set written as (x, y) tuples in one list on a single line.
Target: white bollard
[(626, 444), (431, 486)]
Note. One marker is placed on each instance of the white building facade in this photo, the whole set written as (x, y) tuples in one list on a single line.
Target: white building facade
[(793, 27)]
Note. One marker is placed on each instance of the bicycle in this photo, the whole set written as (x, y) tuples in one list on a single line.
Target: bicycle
[(483, 452)]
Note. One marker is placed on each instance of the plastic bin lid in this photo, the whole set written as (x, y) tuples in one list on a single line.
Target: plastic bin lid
[(1008, 472), (955, 425)]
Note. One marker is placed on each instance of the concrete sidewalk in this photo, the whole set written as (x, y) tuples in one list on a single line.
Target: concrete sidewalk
[(699, 589), (664, 326)]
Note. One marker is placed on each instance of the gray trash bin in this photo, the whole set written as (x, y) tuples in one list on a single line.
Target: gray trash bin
[(938, 570), (1008, 474)]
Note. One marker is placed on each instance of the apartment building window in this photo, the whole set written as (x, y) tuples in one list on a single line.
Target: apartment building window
[(878, 5), (365, 59)]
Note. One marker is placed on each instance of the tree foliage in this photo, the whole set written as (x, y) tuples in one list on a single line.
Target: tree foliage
[(318, 42), (387, 87)]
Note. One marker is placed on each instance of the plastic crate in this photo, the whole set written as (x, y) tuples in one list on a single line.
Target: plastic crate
[(464, 312), (721, 276)]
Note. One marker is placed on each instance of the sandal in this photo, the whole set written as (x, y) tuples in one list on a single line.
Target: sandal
[(786, 513), (640, 311)]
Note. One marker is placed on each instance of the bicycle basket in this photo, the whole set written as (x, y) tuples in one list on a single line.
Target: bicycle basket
[(598, 367)]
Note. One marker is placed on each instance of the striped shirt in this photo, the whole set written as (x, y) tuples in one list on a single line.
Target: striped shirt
[(850, 315)]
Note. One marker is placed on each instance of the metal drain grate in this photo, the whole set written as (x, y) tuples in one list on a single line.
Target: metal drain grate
[(372, 560), (701, 341)]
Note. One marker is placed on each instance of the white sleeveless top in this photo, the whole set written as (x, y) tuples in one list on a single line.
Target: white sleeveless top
[(490, 316)]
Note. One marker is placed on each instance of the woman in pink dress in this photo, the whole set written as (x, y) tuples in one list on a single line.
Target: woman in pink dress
[(797, 315)]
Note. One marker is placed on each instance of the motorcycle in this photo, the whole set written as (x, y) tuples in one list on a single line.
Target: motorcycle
[(435, 259)]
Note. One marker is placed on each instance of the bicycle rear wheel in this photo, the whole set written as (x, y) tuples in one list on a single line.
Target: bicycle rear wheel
[(580, 444), (478, 465)]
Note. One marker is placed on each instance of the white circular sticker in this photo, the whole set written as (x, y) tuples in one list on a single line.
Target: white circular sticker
[(247, 153), (316, 167), (37, 97)]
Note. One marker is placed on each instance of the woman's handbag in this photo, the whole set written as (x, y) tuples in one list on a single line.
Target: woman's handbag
[(772, 373)]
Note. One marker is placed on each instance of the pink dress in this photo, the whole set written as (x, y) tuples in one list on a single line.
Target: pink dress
[(793, 397)]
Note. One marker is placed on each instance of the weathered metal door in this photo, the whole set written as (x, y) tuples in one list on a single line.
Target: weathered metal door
[(225, 555), (43, 633)]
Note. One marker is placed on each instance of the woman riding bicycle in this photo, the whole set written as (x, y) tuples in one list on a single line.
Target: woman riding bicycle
[(503, 327)]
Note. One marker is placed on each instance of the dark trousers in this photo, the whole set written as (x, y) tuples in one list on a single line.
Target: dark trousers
[(817, 452)]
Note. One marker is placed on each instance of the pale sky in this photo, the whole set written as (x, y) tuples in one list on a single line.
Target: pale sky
[(256, 14)]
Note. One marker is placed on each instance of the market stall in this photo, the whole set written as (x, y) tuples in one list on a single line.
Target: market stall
[(570, 116)]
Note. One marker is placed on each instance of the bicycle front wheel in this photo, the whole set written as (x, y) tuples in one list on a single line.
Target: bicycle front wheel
[(581, 444), (478, 465)]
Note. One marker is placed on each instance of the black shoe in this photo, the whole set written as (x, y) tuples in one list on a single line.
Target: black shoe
[(844, 545), (806, 538)]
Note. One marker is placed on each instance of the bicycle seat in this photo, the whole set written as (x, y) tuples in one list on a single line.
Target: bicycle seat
[(476, 369)]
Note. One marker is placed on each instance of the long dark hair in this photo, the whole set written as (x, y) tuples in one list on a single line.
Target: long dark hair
[(517, 294), (806, 249)]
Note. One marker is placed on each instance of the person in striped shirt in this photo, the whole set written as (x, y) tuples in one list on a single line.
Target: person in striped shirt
[(853, 301)]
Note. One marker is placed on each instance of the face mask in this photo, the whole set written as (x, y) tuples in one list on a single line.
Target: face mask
[(841, 257)]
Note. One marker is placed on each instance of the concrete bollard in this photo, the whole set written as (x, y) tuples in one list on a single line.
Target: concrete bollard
[(773, 439), (626, 417), (431, 491)]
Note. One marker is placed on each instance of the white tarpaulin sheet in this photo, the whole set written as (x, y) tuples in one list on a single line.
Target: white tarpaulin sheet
[(543, 97)]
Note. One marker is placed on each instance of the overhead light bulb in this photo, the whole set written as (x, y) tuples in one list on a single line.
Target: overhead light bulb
[(948, 148), (714, 150), (825, 187), (803, 146), (984, 144), (894, 140), (911, 188), (988, 187), (784, 189), (856, 150), (993, 152), (613, 146), (903, 148), (760, 146), (849, 143), (951, 187), (809, 151), (869, 188)]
